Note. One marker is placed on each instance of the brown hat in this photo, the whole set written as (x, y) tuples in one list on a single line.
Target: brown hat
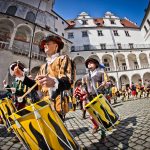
[(53, 38), (93, 60)]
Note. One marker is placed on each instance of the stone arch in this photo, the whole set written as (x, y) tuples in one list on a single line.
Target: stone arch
[(135, 78), (143, 60), (146, 76), (6, 29), (30, 16), (124, 80), (121, 62), (80, 65), (107, 60), (11, 10), (23, 33), (133, 61)]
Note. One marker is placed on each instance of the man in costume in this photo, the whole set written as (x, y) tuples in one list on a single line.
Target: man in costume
[(55, 76), (17, 88), (94, 83)]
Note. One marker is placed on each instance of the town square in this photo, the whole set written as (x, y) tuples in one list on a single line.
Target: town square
[(74, 78)]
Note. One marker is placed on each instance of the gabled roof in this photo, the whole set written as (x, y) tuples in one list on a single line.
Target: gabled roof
[(100, 22), (127, 23)]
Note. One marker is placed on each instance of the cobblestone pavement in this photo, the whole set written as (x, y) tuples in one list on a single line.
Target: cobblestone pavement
[(133, 132)]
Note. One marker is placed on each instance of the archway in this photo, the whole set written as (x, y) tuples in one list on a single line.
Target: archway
[(80, 65), (135, 78), (121, 62), (133, 61), (143, 60), (107, 60)]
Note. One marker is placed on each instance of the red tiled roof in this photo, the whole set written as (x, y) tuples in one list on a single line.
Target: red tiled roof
[(99, 21), (71, 24), (127, 23)]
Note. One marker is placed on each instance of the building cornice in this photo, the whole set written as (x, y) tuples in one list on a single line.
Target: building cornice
[(102, 27)]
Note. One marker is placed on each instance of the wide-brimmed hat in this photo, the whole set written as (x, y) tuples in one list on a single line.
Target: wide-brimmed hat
[(53, 38), (91, 60)]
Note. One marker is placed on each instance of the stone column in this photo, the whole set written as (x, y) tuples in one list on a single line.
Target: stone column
[(127, 62), (114, 62), (138, 61), (148, 58), (12, 38)]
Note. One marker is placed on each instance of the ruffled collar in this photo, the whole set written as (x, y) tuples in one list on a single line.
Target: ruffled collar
[(52, 58)]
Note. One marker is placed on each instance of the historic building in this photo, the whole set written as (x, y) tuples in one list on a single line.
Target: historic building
[(23, 23), (119, 44)]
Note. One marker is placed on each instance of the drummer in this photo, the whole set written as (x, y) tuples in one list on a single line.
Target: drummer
[(55, 76), (17, 88), (95, 83)]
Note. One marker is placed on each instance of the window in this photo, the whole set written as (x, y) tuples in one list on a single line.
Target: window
[(127, 33), (11, 10), (131, 45), (86, 47), (148, 22), (112, 21), (84, 34), (115, 33), (105, 60), (100, 33), (62, 22), (119, 46), (145, 29), (30, 16), (56, 17), (70, 35), (103, 46), (72, 48), (56, 29), (84, 22), (62, 34)]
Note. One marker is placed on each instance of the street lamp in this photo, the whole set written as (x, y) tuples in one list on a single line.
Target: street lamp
[(32, 37)]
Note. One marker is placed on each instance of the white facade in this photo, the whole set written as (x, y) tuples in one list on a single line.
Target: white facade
[(116, 42), (22, 26)]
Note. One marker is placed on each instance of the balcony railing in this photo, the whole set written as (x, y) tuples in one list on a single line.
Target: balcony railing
[(109, 47), (18, 51)]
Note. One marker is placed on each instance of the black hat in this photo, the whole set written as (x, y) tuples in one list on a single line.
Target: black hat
[(93, 60), (14, 64), (53, 38)]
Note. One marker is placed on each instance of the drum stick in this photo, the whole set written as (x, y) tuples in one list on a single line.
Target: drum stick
[(30, 89)]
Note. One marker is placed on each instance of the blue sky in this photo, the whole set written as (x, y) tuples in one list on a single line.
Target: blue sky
[(132, 9)]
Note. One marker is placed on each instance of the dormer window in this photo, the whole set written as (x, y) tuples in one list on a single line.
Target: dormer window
[(84, 22), (112, 21)]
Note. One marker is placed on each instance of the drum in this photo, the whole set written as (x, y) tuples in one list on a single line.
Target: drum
[(6, 108), (38, 126), (101, 110)]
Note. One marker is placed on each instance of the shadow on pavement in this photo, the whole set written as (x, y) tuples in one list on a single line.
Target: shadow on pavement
[(118, 139), (77, 132)]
